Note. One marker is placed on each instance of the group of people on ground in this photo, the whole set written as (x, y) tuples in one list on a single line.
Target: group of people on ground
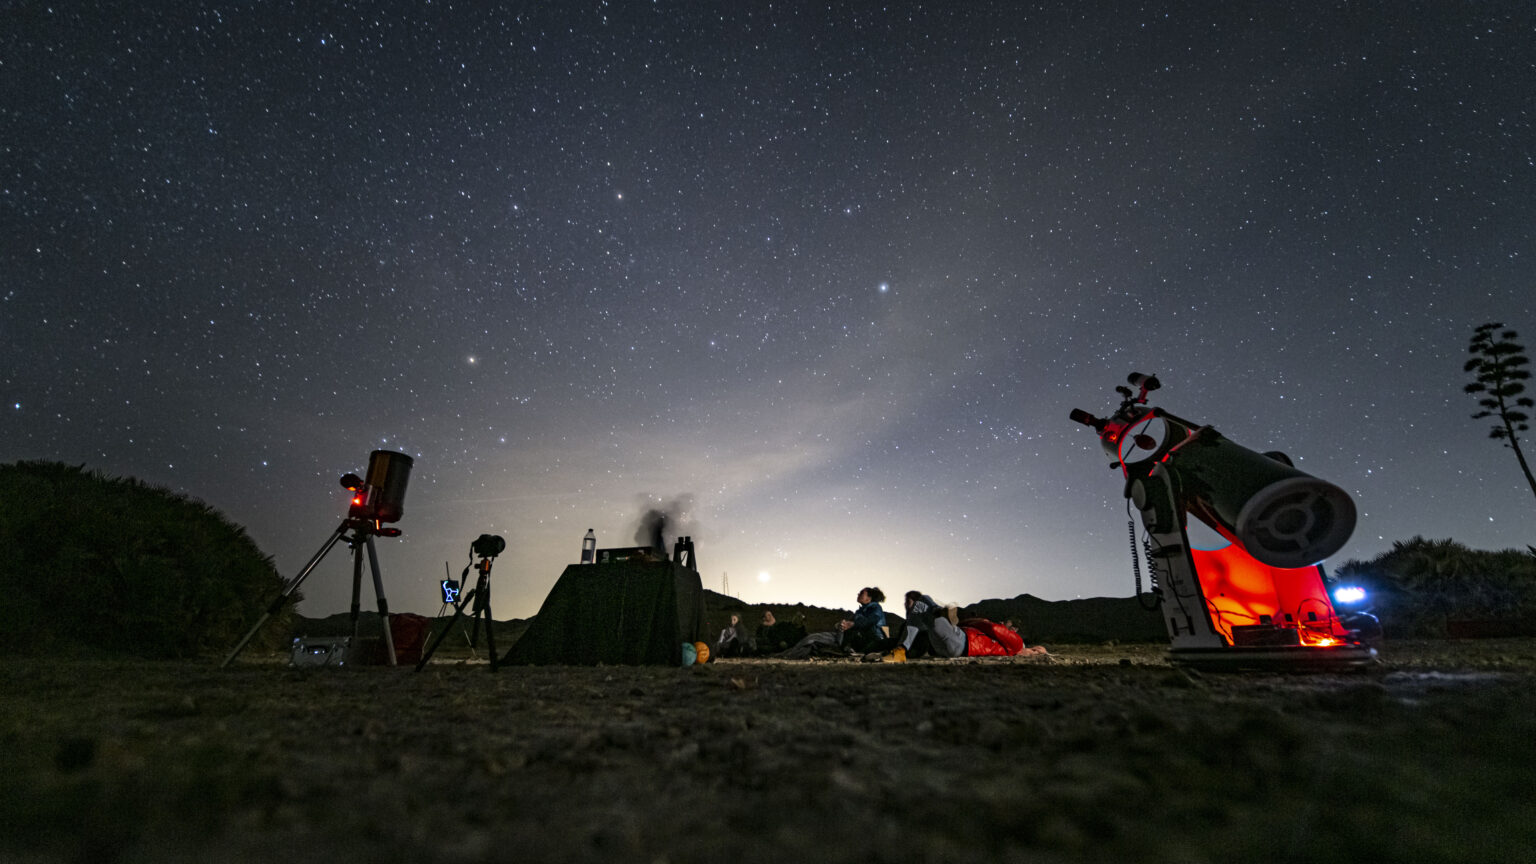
[(771, 637), (929, 629)]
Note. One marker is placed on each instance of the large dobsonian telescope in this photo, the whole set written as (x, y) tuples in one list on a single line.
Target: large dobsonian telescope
[(1261, 601)]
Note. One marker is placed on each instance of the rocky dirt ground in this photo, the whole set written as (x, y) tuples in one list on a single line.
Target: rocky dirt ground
[(1090, 754)]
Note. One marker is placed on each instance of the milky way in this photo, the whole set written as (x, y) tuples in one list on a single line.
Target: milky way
[(834, 274)]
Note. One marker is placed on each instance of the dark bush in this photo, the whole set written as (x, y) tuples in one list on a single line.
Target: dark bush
[(1419, 585), (97, 563)]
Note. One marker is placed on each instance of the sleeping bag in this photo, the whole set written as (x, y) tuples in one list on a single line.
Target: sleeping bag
[(985, 638)]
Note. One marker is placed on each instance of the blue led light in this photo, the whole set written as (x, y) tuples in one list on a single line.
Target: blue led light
[(1348, 594)]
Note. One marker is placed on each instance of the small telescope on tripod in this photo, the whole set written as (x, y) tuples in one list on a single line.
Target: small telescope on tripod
[(378, 499), (1260, 602)]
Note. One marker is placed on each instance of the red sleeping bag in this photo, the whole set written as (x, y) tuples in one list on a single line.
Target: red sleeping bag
[(985, 638)]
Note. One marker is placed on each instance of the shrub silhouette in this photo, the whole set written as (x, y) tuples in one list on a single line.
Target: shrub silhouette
[(1418, 584), (115, 565)]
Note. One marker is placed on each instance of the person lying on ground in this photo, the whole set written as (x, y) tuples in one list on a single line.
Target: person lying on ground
[(984, 638), (937, 630)]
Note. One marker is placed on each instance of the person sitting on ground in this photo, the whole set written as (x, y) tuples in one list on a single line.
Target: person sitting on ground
[(857, 634), (866, 628), (929, 630), (774, 635), (734, 640)]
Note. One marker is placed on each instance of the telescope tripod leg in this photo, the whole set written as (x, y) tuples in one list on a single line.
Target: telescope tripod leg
[(358, 547), (378, 591), (282, 598), (357, 586)]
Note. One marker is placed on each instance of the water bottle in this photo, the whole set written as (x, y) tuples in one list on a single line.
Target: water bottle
[(589, 548)]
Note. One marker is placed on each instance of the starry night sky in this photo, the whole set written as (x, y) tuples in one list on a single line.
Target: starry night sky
[(830, 275)]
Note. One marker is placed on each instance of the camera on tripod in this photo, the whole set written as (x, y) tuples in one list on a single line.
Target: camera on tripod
[(478, 599), (488, 545)]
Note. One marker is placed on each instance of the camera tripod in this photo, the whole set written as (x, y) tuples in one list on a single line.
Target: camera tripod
[(361, 537), (480, 596)]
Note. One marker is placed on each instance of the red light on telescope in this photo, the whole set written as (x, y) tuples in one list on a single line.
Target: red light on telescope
[(359, 508)]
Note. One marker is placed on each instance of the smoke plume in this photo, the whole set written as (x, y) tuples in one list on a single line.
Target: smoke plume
[(657, 522)]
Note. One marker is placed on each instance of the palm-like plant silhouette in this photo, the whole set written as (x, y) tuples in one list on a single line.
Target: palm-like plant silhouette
[(1498, 365)]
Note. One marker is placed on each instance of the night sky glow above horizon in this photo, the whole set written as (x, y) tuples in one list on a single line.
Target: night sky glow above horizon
[(833, 273)]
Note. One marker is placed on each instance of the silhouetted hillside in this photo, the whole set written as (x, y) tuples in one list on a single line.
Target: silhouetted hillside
[(368, 627), (1092, 619)]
